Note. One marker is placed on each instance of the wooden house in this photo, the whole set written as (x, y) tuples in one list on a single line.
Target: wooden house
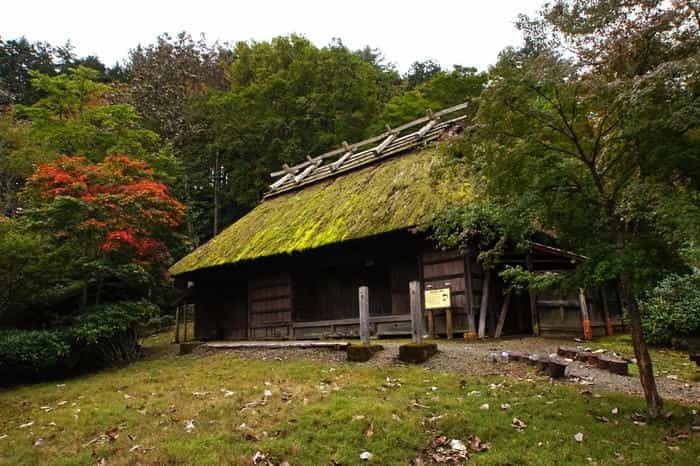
[(291, 268)]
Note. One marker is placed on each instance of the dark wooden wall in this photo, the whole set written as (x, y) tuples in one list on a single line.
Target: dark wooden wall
[(270, 305)]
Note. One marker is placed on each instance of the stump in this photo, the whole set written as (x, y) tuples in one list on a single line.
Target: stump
[(362, 353), (556, 368), (417, 352)]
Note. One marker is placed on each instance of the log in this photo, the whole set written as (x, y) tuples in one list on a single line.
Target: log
[(568, 352)]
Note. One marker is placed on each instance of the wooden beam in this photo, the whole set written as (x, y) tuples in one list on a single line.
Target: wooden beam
[(484, 303), (363, 299), (469, 295), (606, 312), (502, 316), (378, 138), (416, 312), (585, 316)]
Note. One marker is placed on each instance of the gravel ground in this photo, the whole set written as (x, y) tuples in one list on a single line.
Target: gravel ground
[(476, 359)]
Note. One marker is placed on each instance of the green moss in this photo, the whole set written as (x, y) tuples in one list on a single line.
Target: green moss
[(396, 194)]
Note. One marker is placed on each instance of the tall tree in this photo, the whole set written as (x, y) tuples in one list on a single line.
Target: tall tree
[(165, 76), (286, 99), (600, 145)]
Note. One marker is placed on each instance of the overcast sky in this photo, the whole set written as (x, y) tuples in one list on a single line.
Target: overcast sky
[(467, 32)]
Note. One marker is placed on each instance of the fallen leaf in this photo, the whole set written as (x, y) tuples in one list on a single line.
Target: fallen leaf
[(458, 445), (358, 417), (189, 425), (366, 456), (38, 442), (134, 448), (505, 406), (370, 430), (28, 424), (614, 410), (518, 424), (484, 407), (578, 437)]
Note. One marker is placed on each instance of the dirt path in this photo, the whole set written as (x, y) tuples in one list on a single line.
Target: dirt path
[(477, 359)]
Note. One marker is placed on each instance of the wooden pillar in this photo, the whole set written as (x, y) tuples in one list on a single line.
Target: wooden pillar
[(416, 312), (364, 314), (449, 326), (431, 324), (177, 324), (484, 302), (470, 334), (533, 300), (606, 312), (585, 316), (502, 316), (184, 311)]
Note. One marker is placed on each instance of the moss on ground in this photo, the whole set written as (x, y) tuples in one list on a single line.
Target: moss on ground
[(396, 194)]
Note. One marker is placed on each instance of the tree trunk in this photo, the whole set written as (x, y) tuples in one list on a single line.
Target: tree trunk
[(646, 371)]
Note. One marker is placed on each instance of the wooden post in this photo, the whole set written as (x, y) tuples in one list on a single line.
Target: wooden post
[(470, 334), (502, 317), (449, 327), (184, 311), (585, 316), (364, 314), (177, 324), (533, 300), (431, 324), (606, 312), (484, 302), (416, 312)]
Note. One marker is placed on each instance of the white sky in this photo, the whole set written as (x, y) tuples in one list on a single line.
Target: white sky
[(467, 32)]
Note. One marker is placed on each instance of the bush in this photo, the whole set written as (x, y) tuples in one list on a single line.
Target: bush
[(671, 311), (105, 335)]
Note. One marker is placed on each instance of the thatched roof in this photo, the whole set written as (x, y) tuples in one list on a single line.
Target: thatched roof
[(397, 193)]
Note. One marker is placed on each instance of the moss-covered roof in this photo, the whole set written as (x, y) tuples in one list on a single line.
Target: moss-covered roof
[(396, 194)]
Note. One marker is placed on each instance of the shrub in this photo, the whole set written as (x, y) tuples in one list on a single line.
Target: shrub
[(105, 335), (671, 311)]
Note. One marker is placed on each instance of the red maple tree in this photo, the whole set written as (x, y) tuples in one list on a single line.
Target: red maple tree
[(115, 208)]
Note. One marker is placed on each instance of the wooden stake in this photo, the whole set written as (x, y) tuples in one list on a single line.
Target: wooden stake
[(364, 314), (502, 317), (449, 327), (484, 302), (184, 338), (416, 312)]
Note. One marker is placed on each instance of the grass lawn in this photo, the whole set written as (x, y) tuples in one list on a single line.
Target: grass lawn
[(320, 413)]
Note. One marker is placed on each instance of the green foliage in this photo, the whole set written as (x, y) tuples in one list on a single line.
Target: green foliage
[(104, 335), (519, 279), (481, 226), (440, 90), (75, 118), (34, 271), (671, 311)]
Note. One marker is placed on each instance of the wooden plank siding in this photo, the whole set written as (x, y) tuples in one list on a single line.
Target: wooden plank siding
[(442, 269), (270, 306)]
